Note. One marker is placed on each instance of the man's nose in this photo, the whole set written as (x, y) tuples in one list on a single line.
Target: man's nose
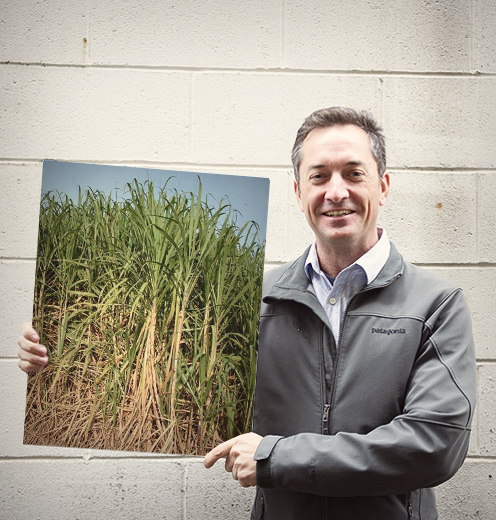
[(336, 189)]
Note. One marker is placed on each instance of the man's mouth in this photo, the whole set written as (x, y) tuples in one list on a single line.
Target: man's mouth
[(338, 213)]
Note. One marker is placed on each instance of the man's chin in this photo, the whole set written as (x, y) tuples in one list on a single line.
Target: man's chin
[(345, 239), (337, 238)]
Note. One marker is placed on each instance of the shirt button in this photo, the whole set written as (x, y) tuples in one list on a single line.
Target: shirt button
[(332, 301)]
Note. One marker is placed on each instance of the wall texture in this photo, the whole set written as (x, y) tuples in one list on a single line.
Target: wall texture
[(222, 86)]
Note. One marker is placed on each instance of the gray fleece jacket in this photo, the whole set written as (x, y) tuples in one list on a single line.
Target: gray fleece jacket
[(364, 431)]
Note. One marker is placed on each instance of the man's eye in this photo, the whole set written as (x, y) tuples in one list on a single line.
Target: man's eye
[(356, 174)]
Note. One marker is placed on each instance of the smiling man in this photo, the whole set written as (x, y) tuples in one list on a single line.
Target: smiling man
[(340, 190), (366, 368)]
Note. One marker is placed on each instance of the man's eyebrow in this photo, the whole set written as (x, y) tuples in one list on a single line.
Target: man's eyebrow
[(349, 163), (355, 163)]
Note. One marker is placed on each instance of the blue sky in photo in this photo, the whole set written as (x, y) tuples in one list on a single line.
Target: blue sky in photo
[(248, 195)]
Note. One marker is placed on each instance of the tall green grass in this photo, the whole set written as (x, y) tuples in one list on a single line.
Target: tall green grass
[(149, 307)]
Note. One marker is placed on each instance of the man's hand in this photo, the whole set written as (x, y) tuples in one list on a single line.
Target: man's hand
[(239, 453), (32, 356)]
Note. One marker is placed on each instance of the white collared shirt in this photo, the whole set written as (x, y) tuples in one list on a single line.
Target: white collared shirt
[(335, 294)]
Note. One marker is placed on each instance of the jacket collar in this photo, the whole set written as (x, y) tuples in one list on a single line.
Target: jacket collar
[(294, 284)]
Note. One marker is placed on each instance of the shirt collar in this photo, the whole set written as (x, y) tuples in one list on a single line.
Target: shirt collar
[(371, 262)]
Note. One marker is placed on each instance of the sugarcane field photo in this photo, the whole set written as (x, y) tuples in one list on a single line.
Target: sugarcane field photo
[(147, 297)]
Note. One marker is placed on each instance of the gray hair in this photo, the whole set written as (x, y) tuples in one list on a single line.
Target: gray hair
[(327, 117)]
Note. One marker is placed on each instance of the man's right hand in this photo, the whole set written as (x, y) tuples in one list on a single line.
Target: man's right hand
[(32, 356)]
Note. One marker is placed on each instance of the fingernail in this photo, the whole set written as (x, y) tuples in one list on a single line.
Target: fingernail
[(34, 337)]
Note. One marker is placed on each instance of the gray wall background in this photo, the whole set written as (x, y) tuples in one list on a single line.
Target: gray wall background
[(222, 86)]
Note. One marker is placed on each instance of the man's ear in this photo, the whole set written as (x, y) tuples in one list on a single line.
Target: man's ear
[(297, 193), (385, 181)]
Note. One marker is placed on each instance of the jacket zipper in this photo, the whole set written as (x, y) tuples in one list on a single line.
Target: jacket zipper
[(329, 398), (325, 419), (338, 342), (326, 507), (327, 406), (409, 506)]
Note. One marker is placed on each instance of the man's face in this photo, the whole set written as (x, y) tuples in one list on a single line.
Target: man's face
[(340, 191)]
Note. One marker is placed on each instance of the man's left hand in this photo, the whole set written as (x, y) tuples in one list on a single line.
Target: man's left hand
[(239, 453)]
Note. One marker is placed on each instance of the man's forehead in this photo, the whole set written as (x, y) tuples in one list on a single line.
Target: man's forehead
[(349, 141), (338, 132)]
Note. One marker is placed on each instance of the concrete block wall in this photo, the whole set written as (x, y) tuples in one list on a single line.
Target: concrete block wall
[(222, 86)]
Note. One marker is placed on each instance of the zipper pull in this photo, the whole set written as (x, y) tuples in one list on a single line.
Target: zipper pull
[(325, 419)]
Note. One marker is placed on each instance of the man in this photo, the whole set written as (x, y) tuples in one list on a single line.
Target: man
[(366, 370)]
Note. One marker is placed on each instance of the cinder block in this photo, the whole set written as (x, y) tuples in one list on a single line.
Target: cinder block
[(487, 411), (268, 266), (75, 489), (242, 118), (300, 234), (470, 493), (404, 35), (478, 286), (19, 209), (214, 494), (96, 115), (44, 32), (212, 33), (12, 405), (278, 218), (484, 36), (431, 216), (17, 289), (485, 231), (473, 448), (440, 122), (279, 232)]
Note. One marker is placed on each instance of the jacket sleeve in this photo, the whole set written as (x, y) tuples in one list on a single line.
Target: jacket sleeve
[(422, 447)]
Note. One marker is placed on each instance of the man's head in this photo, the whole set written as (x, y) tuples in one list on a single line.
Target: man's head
[(328, 117), (341, 181)]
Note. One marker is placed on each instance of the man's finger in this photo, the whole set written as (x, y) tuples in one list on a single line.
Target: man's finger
[(29, 367), (29, 342), (33, 357), (28, 332), (229, 463), (222, 450), (234, 472)]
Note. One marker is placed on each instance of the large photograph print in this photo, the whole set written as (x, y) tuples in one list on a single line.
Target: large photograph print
[(147, 297)]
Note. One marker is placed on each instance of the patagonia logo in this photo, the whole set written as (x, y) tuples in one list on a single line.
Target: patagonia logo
[(388, 331)]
